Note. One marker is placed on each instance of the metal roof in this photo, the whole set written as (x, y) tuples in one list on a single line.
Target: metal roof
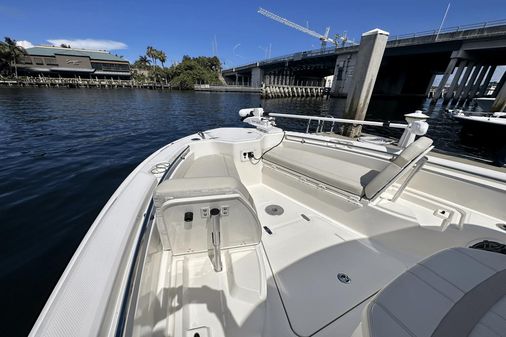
[(92, 54)]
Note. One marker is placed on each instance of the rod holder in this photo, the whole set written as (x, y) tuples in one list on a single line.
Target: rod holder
[(216, 239)]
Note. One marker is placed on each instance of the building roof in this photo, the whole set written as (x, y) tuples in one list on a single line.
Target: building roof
[(92, 54)]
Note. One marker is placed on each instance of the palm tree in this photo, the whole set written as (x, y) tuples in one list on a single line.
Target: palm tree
[(152, 54), (162, 57), (142, 62), (10, 53)]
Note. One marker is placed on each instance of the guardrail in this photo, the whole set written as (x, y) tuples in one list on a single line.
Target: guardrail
[(453, 29), (396, 39), (321, 122)]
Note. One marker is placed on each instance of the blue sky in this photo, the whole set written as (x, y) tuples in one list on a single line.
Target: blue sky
[(189, 27)]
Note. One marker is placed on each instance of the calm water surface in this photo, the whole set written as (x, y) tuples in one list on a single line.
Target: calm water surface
[(64, 151)]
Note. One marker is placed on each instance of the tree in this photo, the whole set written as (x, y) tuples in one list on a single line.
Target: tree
[(142, 62), (194, 70), (162, 57), (10, 54), (152, 54)]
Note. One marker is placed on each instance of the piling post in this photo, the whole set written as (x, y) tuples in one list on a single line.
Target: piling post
[(486, 82), (465, 77), (470, 85), (444, 79), (370, 54), (499, 85), (449, 94), (500, 100), (477, 84)]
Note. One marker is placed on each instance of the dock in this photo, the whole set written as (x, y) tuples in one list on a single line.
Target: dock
[(226, 88), (48, 82), (277, 91)]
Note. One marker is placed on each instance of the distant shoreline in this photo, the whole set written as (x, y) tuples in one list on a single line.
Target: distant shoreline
[(36, 82)]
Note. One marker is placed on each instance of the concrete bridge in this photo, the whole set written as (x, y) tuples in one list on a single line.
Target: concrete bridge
[(408, 67)]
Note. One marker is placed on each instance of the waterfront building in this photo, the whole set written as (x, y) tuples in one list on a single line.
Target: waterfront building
[(72, 63)]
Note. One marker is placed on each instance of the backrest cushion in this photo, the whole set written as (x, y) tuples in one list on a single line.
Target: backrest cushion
[(404, 159)]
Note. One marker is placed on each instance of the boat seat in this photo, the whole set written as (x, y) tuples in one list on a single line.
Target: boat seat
[(357, 178), (456, 292), (213, 165)]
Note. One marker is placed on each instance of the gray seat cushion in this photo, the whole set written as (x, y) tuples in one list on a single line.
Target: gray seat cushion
[(345, 175), (403, 160), (456, 292), (332, 171)]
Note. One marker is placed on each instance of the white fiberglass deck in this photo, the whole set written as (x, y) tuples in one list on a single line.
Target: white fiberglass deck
[(306, 252)]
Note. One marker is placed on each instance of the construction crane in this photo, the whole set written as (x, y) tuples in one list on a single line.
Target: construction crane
[(323, 38)]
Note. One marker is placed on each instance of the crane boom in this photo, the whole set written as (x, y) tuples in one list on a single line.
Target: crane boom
[(270, 15)]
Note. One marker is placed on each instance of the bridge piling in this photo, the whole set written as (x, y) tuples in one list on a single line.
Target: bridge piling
[(478, 82), (500, 98), (470, 84), (463, 82), (488, 78), (451, 90), (370, 54), (446, 75)]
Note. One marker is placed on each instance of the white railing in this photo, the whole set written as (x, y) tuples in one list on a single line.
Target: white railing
[(415, 126), (339, 120)]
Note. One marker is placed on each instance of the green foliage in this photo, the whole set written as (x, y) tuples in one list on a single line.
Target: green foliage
[(142, 62), (184, 75), (10, 53), (194, 70)]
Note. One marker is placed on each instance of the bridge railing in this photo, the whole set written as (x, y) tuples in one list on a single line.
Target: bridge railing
[(453, 29), (470, 30)]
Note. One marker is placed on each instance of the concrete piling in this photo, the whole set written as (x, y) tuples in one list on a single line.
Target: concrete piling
[(500, 95), (444, 79), (486, 82), (463, 82), (370, 54), (477, 84), (470, 84), (451, 90)]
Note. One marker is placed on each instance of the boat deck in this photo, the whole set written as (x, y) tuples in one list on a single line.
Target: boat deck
[(307, 251)]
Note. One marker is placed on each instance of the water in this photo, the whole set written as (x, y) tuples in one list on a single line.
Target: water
[(64, 152)]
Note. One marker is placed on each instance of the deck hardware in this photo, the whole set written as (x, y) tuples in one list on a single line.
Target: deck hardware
[(305, 217), (215, 225), (160, 168), (188, 217), (195, 139), (268, 230), (204, 212), (502, 226), (274, 210), (344, 278)]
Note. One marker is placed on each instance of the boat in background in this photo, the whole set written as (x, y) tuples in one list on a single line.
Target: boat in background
[(485, 103), (261, 231), (480, 119)]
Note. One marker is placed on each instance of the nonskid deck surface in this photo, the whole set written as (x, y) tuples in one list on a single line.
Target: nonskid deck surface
[(303, 253), (301, 258), (307, 252)]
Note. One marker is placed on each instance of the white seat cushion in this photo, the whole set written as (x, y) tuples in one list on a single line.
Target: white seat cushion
[(456, 292), (343, 175)]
